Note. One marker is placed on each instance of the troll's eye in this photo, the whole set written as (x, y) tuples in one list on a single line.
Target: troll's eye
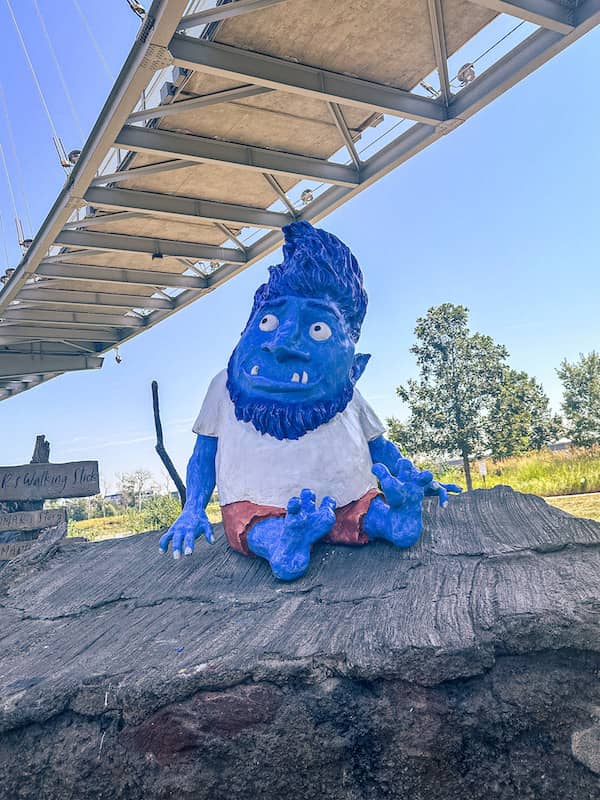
[(320, 331), (268, 323)]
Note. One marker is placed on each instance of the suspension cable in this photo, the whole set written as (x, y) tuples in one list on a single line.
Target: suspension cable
[(33, 73), (61, 76), (4, 245), (94, 41), (16, 160), (11, 192)]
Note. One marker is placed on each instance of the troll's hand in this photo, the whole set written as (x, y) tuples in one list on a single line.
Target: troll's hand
[(405, 485), (436, 489), (183, 533)]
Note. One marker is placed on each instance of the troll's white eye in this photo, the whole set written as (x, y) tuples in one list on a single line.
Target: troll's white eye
[(320, 331), (268, 323)]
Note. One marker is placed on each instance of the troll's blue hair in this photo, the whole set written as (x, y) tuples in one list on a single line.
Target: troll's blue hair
[(317, 264)]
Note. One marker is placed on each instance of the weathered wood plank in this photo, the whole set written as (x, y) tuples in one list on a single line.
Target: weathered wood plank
[(10, 550), (32, 520), (49, 481)]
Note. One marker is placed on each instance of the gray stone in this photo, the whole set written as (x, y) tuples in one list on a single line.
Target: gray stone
[(463, 667)]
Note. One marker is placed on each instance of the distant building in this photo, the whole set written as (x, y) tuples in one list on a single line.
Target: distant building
[(560, 444), (116, 499)]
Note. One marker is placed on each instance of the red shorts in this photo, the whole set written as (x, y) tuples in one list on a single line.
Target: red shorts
[(239, 517)]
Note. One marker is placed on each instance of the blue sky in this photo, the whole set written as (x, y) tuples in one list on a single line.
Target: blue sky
[(501, 216)]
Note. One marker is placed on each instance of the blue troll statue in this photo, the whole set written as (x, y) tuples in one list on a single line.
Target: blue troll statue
[(296, 452)]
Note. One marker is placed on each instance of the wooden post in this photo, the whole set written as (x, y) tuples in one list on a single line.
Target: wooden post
[(41, 455)]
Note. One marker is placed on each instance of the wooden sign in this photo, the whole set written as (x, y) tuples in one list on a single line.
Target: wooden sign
[(32, 520), (13, 549), (49, 481)]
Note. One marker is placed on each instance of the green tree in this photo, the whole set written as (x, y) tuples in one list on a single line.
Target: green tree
[(459, 374), (403, 436), (78, 509), (134, 485), (157, 512), (519, 417), (581, 398)]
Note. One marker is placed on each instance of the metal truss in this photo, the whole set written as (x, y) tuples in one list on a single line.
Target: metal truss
[(123, 275), (52, 318), (225, 12), (257, 159), (138, 172), (184, 209), (225, 96), (42, 317), (19, 365), (276, 73), (12, 332), (123, 243), (69, 297)]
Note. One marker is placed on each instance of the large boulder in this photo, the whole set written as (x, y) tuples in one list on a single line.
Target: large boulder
[(467, 666)]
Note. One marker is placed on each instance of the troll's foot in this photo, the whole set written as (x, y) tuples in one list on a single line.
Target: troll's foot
[(398, 519), (286, 541)]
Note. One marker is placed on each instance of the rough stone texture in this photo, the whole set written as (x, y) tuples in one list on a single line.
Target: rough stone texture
[(467, 666)]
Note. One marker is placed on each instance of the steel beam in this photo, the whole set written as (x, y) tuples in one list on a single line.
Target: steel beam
[(69, 297), (184, 209), (42, 318), (66, 254), (257, 159), (17, 365), (100, 219), (58, 334), (93, 240), (215, 98), (274, 184), (545, 13), (135, 172), (276, 73), (438, 35), (340, 123), (225, 12), (137, 277)]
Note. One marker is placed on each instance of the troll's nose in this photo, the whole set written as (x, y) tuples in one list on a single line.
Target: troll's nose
[(285, 351), (285, 343)]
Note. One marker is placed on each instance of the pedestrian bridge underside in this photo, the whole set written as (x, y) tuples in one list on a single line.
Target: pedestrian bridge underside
[(225, 124)]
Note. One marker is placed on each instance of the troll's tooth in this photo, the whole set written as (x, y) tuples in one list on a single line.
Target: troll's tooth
[(254, 370), (304, 377), (295, 378)]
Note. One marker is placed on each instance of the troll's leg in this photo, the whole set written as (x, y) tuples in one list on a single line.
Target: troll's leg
[(400, 526), (286, 541)]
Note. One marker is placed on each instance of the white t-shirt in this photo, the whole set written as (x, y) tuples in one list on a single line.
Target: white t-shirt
[(333, 459)]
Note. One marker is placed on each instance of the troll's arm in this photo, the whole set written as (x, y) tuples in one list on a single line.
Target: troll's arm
[(193, 522), (385, 452)]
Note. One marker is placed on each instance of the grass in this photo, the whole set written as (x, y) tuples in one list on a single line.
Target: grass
[(99, 528), (545, 473), (580, 505)]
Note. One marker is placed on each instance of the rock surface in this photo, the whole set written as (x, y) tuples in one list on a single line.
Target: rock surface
[(467, 666)]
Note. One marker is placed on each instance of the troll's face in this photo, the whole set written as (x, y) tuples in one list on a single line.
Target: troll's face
[(295, 367)]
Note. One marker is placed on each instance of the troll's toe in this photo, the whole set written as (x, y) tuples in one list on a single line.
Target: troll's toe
[(405, 529), (290, 564)]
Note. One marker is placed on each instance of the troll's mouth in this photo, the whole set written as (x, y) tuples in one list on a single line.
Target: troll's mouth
[(298, 380)]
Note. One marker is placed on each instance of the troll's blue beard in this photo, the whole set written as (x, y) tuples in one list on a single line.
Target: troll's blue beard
[(285, 420)]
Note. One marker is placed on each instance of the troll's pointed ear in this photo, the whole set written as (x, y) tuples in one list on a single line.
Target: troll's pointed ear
[(358, 366)]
